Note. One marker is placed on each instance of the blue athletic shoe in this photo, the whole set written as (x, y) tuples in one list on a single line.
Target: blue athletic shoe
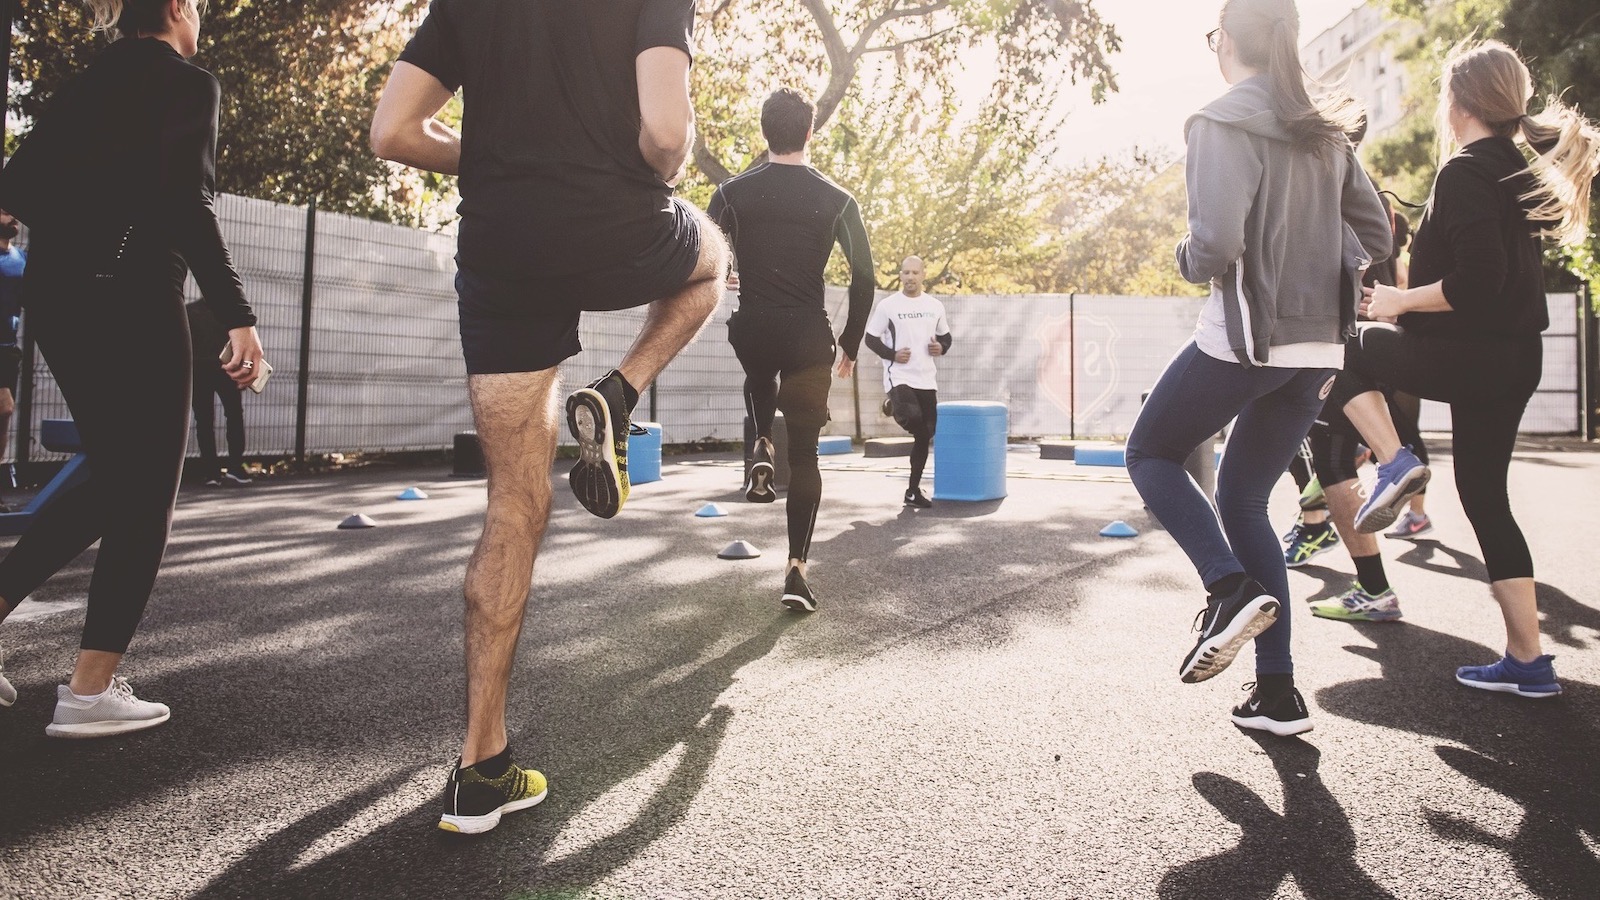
[(1398, 481), (1535, 680)]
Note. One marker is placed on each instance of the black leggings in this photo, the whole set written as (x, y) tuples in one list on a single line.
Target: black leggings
[(134, 425), (917, 411), (787, 361), (208, 383), (1488, 383)]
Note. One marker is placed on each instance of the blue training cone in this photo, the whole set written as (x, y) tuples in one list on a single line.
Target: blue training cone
[(1119, 529), (710, 511), (412, 493)]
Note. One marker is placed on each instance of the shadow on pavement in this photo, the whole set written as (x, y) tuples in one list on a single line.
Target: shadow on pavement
[(1312, 840), (1423, 551), (1537, 754)]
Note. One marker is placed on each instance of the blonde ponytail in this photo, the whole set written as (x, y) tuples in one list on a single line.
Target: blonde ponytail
[(117, 18), (104, 16), (1566, 159)]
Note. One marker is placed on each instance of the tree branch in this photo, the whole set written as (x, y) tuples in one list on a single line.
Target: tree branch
[(890, 48)]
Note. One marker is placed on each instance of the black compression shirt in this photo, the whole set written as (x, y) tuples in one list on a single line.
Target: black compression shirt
[(552, 179), (783, 221)]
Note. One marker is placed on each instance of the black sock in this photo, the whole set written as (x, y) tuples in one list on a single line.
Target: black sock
[(1369, 571), (629, 394), (1227, 585), (1273, 687), (494, 766)]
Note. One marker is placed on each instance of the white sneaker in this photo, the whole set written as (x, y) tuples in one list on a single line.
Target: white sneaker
[(117, 711), (8, 694)]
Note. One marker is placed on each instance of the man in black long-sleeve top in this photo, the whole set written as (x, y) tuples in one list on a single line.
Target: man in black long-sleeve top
[(783, 218)]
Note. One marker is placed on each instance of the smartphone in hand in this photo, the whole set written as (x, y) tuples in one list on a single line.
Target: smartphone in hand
[(260, 383)]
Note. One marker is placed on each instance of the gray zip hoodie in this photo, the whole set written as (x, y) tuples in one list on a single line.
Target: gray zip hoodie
[(1280, 234)]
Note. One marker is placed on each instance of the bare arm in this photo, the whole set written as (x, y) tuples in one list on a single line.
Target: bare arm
[(404, 129), (666, 133)]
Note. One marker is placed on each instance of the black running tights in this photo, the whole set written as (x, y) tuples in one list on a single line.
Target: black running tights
[(1488, 383), (122, 361), (215, 383), (917, 411)]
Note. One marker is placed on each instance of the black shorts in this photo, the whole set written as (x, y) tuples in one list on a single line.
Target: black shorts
[(914, 409), (531, 324), (10, 367)]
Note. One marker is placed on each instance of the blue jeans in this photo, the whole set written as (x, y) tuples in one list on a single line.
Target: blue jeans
[(1196, 396)]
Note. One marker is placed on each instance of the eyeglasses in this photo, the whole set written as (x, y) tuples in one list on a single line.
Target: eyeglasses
[(1212, 38)]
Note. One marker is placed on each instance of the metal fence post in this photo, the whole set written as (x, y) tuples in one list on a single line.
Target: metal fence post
[(653, 413), (1589, 363), (1072, 366), (23, 447), (307, 292)]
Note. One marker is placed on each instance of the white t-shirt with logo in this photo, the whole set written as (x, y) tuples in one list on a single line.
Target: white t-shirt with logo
[(909, 323)]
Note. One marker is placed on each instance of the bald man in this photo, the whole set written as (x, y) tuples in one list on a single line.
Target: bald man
[(909, 331)]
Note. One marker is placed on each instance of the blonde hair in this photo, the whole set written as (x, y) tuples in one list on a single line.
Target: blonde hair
[(121, 17), (1490, 82), (1266, 35)]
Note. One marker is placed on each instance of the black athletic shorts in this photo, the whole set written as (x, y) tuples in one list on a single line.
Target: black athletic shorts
[(531, 324), (10, 367)]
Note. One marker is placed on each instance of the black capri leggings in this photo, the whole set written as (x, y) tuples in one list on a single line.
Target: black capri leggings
[(1488, 383), (134, 425)]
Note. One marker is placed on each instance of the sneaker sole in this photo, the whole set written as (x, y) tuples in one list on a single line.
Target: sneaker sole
[(799, 603), (761, 476), (103, 729), (1382, 511), (1360, 617), (1325, 548), (1210, 657), (1281, 729), (1505, 687), (596, 479), (487, 822)]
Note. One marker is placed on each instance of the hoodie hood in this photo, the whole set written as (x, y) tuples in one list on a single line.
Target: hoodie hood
[(1246, 106)]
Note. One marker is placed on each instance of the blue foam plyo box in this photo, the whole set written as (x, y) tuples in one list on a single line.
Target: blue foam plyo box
[(970, 451), (644, 454), (833, 444), (1085, 455)]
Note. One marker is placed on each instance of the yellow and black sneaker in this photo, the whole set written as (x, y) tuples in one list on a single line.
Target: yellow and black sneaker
[(598, 416), (474, 802)]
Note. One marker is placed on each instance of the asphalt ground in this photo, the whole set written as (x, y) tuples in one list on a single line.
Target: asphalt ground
[(986, 704)]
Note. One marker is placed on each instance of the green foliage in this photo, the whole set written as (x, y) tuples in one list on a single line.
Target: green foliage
[(1117, 222), (299, 81)]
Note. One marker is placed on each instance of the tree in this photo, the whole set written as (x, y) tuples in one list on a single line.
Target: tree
[(1118, 221), (299, 82)]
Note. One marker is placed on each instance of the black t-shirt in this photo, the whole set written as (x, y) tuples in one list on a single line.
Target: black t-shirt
[(783, 221), (1477, 239), (552, 180)]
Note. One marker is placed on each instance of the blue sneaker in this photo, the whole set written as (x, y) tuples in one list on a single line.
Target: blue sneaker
[(1398, 481), (1535, 680)]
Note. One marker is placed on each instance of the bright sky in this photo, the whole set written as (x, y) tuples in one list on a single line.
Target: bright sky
[(1165, 73)]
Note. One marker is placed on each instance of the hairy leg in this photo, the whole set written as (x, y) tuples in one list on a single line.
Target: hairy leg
[(517, 417)]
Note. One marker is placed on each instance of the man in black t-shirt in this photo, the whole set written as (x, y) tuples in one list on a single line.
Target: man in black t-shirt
[(576, 125), (783, 218)]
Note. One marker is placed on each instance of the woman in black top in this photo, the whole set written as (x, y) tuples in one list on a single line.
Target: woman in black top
[(115, 183), (1468, 332)]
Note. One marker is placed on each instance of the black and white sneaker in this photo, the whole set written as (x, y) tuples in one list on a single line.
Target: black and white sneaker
[(797, 594), (474, 802), (914, 497), (762, 474), (1225, 625), (1283, 715), (597, 415), (238, 478)]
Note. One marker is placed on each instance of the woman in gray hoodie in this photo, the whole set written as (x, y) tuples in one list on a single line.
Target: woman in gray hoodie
[(1282, 221)]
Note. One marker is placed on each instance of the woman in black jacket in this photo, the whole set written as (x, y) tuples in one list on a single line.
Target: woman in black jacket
[(115, 183), (1468, 331)]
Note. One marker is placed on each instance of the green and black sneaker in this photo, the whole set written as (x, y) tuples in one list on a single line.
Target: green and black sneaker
[(474, 802), (598, 416)]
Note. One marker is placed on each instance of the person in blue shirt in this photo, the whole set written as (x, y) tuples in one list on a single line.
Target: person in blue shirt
[(12, 262)]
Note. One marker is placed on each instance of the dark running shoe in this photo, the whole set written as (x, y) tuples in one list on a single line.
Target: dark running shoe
[(887, 408), (914, 497), (1282, 716), (1535, 680), (474, 803), (1399, 480), (797, 594), (1307, 542), (1225, 625), (762, 474), (598, 418)]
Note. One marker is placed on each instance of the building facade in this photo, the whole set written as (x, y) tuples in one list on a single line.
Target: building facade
[(1357, 55)]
